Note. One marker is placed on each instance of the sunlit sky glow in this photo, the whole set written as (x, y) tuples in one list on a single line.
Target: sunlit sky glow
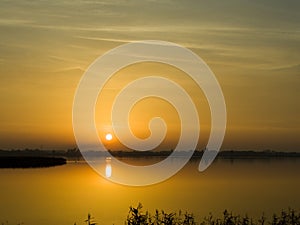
[(252, 47)]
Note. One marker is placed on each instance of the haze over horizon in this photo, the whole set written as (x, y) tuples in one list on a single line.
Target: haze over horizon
[(251, 46)]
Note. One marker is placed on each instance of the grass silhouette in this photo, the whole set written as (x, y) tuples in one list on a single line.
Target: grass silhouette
[(137, 217)]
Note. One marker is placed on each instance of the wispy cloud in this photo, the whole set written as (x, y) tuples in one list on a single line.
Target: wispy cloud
[(68, 69), (286, 68), (15, 22), (65, 59), (104, 39)]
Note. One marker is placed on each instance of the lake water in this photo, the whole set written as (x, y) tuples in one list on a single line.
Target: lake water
[(66, 194)]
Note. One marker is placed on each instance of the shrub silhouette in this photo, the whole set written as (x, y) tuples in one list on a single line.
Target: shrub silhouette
[(137, 217)]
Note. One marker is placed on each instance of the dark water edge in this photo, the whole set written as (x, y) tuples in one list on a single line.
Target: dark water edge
[(30, 162)]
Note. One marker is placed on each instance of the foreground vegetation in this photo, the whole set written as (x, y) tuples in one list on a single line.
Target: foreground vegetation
[(137, 217)]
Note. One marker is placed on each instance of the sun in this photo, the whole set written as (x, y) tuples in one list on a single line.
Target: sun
[(108, 137)]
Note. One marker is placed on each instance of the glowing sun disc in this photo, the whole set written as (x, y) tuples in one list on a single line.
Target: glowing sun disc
[(108, 137)]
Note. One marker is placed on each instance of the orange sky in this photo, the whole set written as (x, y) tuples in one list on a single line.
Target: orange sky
[(252, 47)]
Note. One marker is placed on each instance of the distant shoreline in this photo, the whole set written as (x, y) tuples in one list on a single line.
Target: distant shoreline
[(30, 162), (50, 157)]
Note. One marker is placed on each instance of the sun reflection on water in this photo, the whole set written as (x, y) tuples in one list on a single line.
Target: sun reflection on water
[(108, 169)]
